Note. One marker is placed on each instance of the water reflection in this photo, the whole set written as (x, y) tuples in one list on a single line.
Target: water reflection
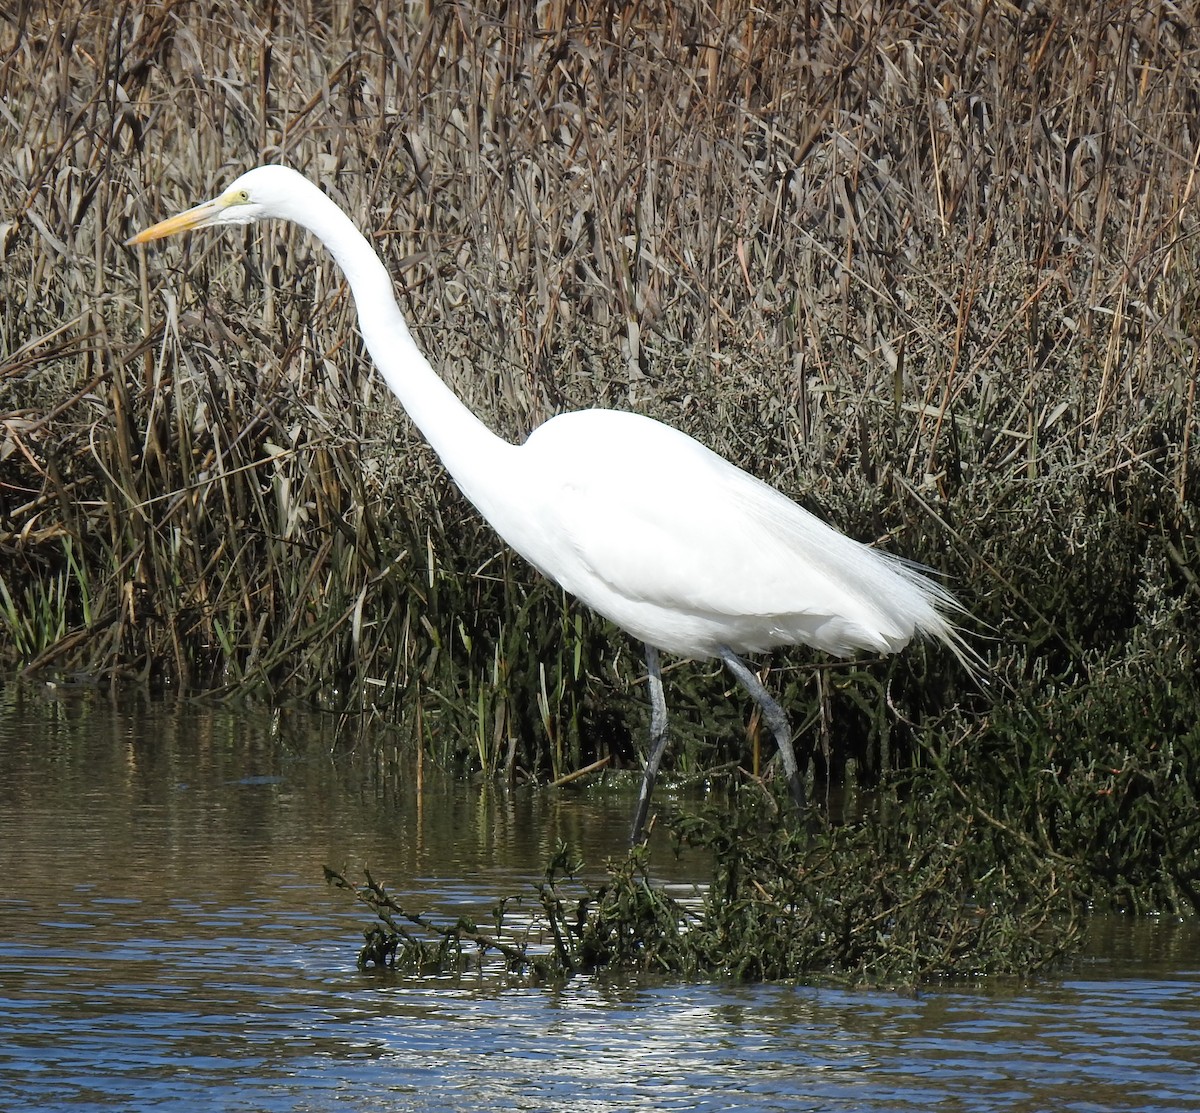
[(166, 941)]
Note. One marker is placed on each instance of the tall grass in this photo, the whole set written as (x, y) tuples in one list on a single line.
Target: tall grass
[(931, 270)]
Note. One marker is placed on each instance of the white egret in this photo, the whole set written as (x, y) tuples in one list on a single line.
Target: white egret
[(661, 536)]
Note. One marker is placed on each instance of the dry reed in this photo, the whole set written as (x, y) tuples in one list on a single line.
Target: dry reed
[(929, 269)]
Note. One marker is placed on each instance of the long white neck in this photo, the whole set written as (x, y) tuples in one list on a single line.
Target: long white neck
[(471, 452)]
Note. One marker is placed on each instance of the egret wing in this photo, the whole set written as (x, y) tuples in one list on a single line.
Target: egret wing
[(673, 524)]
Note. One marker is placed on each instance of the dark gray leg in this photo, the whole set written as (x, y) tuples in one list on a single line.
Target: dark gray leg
[(658, 742), (776, 720)]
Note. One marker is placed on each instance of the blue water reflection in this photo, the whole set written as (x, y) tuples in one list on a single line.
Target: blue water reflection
[(167, 942)]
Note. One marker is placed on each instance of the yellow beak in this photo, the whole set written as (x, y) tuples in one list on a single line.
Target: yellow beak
[(196, 217)]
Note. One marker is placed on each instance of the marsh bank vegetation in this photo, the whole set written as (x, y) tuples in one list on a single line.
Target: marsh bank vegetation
[(929, 269)]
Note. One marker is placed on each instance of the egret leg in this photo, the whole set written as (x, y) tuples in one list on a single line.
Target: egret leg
[(658, 741), (776, 720)]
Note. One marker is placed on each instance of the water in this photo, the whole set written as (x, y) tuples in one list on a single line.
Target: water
[(167, 942)]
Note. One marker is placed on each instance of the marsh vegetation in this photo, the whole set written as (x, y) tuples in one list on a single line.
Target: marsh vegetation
[(932, 272)]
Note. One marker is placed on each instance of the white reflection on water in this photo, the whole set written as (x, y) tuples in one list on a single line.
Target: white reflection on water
[(166, 942)]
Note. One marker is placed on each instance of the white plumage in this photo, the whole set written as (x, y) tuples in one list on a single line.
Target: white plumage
[(644, 524)]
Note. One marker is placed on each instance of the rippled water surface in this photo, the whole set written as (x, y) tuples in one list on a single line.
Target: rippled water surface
[(167, 942)]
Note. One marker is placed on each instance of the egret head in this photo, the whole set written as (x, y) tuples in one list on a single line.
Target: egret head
[(265, 191)]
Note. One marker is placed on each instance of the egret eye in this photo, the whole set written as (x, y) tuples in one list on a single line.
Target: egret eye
[(243, 196)]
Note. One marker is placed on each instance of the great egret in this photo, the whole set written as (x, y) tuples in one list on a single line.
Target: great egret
[(663, 537)]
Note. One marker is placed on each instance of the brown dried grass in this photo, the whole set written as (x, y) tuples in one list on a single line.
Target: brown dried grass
[(929, 269)]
